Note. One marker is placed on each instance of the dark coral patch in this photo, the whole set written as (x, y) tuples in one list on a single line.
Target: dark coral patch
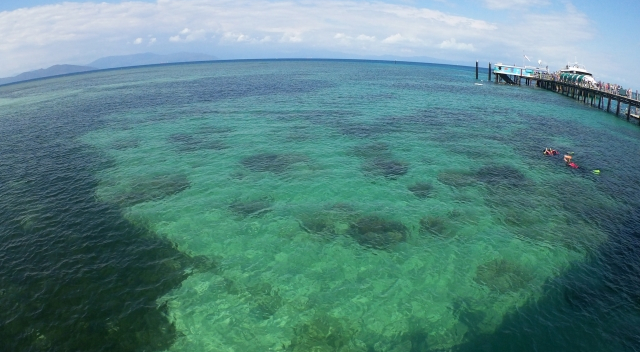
[(267, 300), (436, 225), (185, 142), (152, 189), (457, 178), (267, 162), (264, 299), (501, 275), (214, 130), (360, 130), (371, 150), (323, 333), (329, 222), (421, 190), (501, 175), (388, 168), (251, 207), (124, 144), (376, 232)]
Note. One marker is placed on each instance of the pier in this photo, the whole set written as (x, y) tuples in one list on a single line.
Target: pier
[(595, 96)]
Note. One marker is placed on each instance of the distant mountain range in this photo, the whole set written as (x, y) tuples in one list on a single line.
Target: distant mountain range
[(109, 62), (47, 72)]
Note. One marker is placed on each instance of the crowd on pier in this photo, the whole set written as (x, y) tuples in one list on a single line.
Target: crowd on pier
[(601, 86)]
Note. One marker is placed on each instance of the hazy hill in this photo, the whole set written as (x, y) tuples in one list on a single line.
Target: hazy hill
[(47, 72), (148, 59), (109, 62)]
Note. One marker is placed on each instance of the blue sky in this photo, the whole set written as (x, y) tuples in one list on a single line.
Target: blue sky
[(604, 36)]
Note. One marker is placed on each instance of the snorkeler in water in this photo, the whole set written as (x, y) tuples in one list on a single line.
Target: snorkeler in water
[(567, 158)]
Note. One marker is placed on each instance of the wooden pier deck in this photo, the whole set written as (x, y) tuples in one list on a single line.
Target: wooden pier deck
[(592, 96), (515, 75)]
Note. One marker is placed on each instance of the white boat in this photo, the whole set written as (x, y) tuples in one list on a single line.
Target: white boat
[(576, 73), (576, 68)]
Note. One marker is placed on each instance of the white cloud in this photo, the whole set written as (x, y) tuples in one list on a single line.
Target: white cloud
[(393, 38), (513, 4), (399, 38), (79, 32), (152, 40), (453, 44), (366, 38), (137, 41)]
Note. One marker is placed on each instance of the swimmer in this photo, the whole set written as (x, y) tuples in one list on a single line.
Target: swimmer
[(567, 158)]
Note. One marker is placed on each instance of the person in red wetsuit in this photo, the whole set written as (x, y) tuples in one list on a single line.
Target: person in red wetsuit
[(549, 151)]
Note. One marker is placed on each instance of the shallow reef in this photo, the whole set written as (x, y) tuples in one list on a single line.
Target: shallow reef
[(375, 232), (269, 162), (384, 167), (371, 150), (361, 130), (421, 190), (324, 334), (329, 222), (251, 207), (439, 226), (124, 144), (152, 189), (265, 300), (502, 275), (501, 175), (185, 142), (457, 178), (214, 130)]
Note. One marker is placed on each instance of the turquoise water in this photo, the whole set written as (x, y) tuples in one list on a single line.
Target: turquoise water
[(344, 206)]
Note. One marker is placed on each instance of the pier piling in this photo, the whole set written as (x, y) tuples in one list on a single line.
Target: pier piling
[(593, 95), (476, 69)]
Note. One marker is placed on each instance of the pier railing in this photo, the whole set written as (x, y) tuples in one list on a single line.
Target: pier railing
[(597, 95)]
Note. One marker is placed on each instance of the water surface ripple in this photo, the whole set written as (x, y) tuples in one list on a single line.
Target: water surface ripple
[(313, 206)]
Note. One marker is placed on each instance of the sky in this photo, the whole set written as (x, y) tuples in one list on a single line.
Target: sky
[(602, 35)]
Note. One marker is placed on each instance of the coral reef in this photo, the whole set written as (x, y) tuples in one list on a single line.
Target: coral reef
[(376, 232), (152, 189), (123, 144), (185, 142), (371, 150), (330, 221), (436, 225), (501, 275), (268, 162), (324, 334), (421, 190), (501, 175), (457, 178), (387, 168), (251, 207)]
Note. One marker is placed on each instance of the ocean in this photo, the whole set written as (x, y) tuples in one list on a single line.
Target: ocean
[(313, 205)]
